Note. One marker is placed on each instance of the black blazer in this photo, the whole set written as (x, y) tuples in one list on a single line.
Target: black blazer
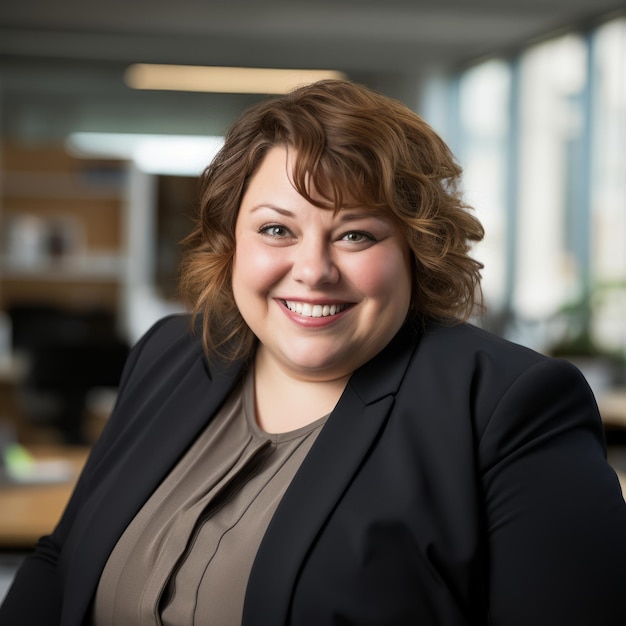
[(460, 480)]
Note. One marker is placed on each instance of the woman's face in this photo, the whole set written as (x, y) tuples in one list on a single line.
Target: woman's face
[(322, 292)]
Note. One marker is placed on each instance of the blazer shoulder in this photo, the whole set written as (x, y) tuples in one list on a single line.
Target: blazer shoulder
[(468, 345), (171, 336), (173, 332), (459, 361), (169, 329), (466, 364)]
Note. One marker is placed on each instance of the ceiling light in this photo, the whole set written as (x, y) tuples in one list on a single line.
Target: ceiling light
[(155, 154), (222, 79)]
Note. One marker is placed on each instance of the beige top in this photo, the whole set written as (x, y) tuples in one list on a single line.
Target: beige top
[(187, 555)]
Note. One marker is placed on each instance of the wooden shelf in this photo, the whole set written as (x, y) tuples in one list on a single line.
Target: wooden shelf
[(63, 224), (107, 267)]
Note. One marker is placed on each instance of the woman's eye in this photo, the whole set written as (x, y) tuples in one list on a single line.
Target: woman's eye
[(357, 237), (274, 230)]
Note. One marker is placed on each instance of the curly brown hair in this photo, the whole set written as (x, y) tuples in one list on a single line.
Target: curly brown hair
[(353, 147)]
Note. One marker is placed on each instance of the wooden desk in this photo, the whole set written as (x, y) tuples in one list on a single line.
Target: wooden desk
[(612, 405), (28, 511)]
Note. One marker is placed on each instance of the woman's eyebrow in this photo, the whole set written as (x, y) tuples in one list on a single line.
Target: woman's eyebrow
[(346, 215), (272, 207), (361, 215)]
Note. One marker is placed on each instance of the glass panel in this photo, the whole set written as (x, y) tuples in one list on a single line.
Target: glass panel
[(608, 191), (484, 126), (552, 188)]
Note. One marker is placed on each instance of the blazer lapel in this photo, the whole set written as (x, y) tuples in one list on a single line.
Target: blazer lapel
[(322, 478), (173, 425)]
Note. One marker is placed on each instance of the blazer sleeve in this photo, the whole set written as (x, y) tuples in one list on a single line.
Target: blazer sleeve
[(34, 598), (556, 518)]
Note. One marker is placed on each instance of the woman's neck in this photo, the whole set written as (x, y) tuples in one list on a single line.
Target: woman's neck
[(286, 402)]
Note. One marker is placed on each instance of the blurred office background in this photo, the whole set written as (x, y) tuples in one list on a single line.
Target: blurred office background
[(98, 170)]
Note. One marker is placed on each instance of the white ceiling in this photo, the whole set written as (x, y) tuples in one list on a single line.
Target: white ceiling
[(78, 46)]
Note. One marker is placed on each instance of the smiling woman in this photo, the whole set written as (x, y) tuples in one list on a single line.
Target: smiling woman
[(293, 264), (325, 439), (348, 149)]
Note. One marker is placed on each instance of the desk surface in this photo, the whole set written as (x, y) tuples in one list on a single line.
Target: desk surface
[(612, 405), (31, 510)]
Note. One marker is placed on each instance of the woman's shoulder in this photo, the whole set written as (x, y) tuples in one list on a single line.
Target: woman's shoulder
[(463, 363), (173, 345), (466, 350), (470, 340), (169, 340), (174, 329)]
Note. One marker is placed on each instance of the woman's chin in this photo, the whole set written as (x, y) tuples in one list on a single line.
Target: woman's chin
[(317, 366)]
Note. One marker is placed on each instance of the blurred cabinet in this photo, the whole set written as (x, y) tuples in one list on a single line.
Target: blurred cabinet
[(62, 228), (64, 261)]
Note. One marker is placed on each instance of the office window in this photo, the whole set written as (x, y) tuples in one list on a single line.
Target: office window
[(552, 184), (542, 139), (484, 94), (608, 188)]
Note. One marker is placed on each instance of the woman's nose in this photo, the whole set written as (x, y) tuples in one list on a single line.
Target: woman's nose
[(313, 264)]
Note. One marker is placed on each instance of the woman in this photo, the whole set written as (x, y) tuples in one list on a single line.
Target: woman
[(335, 445)]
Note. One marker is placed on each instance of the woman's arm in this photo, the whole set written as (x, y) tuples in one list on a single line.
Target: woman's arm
[(555, 513), (34, 598)]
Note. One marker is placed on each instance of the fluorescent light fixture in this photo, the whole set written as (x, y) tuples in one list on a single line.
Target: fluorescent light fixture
[(184, 155), (221, 79)]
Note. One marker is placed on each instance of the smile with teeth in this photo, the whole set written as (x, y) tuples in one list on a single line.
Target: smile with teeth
[(314, 310)]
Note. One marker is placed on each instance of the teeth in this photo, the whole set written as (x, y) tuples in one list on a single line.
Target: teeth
[(314, 310)]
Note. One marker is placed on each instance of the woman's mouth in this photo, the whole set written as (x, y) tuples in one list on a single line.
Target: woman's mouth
[(314, 310)]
